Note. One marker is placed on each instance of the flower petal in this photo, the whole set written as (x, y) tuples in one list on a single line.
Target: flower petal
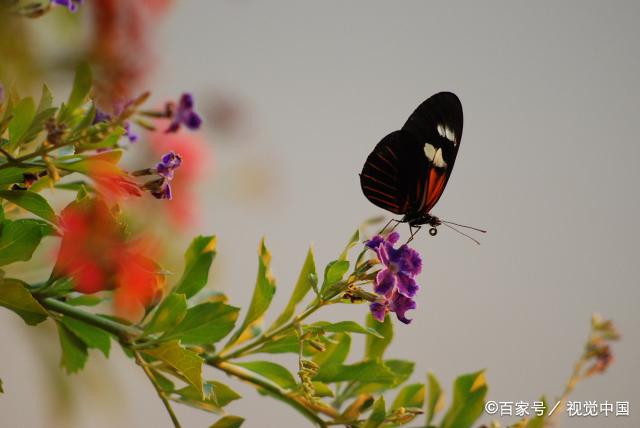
[(407, 286), (410, 261), (378, 310), (385, 282), (400, 305)]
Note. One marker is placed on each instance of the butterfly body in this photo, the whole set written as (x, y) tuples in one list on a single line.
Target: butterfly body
[(408, 169)]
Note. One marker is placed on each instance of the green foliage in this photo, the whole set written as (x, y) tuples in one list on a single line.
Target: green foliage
[(436, 398), (204, 324), (342, 327), (23, 114), (31, 202), (187, 363), (377, 344), (92, 337), (198, 259), (302, 287), (272, 371), (333, 274), (15, 296), (169, 313), (228, 422), (18, 240), (410, 396), (74, 350), (469, 392), (79, 93), (262, 295), (378, 414)]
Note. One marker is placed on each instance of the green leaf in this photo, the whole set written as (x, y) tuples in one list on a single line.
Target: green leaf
[(228, 421), (23, 114), (198, 259), (366, 371), (169, 313), (43, 113), (378, 414), (14, 296), (272, 371), (18, 240), (410, 396), (333, 274), (436, 398), (469, 392), (401, 370), (341, 327), (322, 389), (31, 202), (74, 351), (79, 92), (14, 174), (1, 387), (375, 347), (185, 362), (222, 393), (92, 336), (204, 324), (335, 354), (262, 295), (352, 242), (303, 285), (283, 345)]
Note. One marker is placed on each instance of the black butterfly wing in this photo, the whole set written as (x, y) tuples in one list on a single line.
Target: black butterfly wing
[(395, 174), (437, 127)]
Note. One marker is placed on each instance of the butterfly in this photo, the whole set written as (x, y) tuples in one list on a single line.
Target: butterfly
[(408, 170)]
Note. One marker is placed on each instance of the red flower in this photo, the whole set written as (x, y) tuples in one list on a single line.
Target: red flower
[(97, 255)]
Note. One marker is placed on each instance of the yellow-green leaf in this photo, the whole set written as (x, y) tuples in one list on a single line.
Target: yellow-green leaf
[(31, 202), (168, 314), (469, 392), (228, 421), (186, 362), (262, 295), (303, 285), (14, 296), (198, 259)]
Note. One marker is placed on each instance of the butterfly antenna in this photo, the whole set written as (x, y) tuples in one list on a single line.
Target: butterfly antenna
[(462, 233), (462, 225)]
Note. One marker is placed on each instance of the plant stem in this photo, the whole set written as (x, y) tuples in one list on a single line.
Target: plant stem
[(270, 389), (129, 334), (124, 332), (267, 337), (167, 405)]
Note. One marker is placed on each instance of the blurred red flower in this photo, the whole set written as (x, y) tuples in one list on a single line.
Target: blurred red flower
[(97, 254)]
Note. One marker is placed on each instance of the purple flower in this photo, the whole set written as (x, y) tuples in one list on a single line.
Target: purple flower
[(185, 115), (395, 283), (101, 116), (401, 265), (165, 169), (396, 303), (133, 137), (72, 5)]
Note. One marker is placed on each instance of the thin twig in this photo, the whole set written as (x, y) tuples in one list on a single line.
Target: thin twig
[(161, 394)]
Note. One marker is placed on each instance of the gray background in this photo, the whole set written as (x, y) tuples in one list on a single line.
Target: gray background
[(548, 164)]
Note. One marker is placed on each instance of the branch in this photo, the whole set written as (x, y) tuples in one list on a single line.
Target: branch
[(167, 405)]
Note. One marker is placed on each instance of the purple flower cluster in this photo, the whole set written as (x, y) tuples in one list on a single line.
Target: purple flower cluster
[(72, 5), (165, 168), (185, 115), (395, 284)]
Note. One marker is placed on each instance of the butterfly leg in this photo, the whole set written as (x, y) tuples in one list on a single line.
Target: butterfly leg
[(397, 222), (413, 230)]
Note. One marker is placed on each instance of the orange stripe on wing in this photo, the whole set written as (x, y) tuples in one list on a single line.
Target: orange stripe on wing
[(437, 180)]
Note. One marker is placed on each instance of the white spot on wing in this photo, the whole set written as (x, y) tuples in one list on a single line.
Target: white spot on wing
[(429, 151), (447, 133), (437, 160)]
